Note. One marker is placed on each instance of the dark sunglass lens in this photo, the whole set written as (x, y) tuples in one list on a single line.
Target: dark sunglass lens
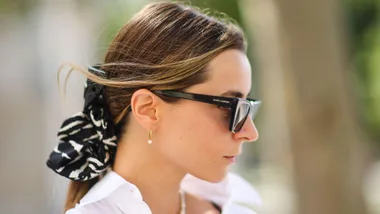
[(254, 109), (241, 116)]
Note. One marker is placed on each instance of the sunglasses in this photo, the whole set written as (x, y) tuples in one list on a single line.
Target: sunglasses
[(240, 108)]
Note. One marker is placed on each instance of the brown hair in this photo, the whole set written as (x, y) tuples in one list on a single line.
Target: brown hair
[(165, 46)]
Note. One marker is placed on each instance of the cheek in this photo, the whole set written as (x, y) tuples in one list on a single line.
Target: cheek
[(193, 118), (196, 138), (193, 129), (201, 125)]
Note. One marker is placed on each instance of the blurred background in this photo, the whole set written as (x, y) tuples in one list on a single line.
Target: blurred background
[(316, 66)]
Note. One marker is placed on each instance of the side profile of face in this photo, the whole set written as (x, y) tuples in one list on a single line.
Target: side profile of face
[(195, 135)]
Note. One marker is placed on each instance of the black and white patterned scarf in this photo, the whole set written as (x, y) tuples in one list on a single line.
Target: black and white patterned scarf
[(87, 140)]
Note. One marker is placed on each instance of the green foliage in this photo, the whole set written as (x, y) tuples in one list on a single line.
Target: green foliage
[(364, 27), (21, 7), (230, 7)]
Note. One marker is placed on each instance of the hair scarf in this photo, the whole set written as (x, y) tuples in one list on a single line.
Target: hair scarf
[(87, 141)]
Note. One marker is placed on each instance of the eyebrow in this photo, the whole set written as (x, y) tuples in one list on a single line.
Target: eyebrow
[(234, 94)]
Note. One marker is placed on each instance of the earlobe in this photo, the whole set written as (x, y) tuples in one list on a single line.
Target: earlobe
[(144, 104)]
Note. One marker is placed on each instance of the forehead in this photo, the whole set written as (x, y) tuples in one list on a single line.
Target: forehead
[(229, 71)]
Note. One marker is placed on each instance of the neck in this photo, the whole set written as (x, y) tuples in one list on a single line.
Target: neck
[(157, 178)]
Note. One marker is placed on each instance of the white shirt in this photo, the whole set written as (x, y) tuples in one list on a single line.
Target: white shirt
[(114, 195)]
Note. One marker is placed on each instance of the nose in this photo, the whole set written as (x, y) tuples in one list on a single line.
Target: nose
[(248, 132)]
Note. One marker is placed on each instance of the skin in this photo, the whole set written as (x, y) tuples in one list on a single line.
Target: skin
[(188, 137)]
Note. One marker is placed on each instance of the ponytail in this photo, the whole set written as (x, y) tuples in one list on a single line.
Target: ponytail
[(76, 191)]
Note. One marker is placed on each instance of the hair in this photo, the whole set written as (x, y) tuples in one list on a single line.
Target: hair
[(165, 46)]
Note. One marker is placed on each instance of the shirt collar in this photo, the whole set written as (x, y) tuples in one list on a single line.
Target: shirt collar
[(107, 185)]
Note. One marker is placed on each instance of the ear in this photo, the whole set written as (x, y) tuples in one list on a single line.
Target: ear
[(144, 108)]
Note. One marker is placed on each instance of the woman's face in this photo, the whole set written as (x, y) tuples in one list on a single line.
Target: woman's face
[(195, 135)]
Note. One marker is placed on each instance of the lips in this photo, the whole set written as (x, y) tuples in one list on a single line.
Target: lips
[(233, 159), (230, 156)]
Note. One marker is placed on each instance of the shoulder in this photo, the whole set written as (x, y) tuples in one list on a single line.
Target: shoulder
[(234, 194), (112, 194)]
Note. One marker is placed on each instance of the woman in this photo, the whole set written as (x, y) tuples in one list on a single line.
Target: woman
[(171, 97)]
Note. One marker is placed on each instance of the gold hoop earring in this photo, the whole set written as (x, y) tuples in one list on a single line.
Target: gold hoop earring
[(150, 137)]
